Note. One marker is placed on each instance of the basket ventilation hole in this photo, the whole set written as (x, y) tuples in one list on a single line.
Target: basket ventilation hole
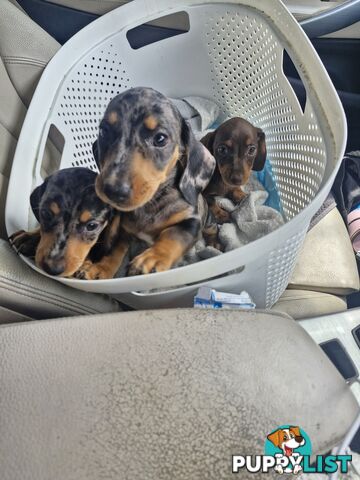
[(54, 148)]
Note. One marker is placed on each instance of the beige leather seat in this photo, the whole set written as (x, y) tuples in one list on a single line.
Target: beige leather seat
[(325, 273), (25, 49)]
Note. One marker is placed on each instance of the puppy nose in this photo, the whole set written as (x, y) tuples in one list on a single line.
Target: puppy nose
[(236, 178), (118, 192), (299, 439), (53, 268)]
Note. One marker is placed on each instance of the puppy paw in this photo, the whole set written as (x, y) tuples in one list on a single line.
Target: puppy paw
[(93, 271), (211, 236), (213, 241), (25, 242), (216, 245), (238, 195), (221, 215), (150, 261)]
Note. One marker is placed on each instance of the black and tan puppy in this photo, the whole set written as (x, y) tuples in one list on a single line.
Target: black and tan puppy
[(238, 148), (152, 168), (74, 225)]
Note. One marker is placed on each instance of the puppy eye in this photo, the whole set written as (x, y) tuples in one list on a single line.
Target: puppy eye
[(222, 150), (46, 216), (104, 130), (160, 140), (91, 226), (252, 150)]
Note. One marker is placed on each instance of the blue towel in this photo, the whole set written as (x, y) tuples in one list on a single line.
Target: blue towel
[(266, 178)]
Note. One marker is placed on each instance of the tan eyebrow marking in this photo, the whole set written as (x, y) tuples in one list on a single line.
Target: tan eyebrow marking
[(85, 216), (54, 207), (150, 122), (113, 117)]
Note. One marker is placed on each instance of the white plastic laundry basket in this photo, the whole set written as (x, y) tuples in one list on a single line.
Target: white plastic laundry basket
[(233, 53)]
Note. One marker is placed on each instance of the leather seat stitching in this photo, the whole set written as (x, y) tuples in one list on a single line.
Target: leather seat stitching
[(49, 294), (19, 59), (48, 297), (36, 297)]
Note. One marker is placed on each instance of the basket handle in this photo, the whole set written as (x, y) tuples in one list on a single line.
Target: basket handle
[(59, 145), (145, 34), (191, 286)]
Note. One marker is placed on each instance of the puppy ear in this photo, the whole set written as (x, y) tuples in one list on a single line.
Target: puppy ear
[(95, 150), (260, 159), (275, 438), (208, 141), (199, 167), (35, 198)]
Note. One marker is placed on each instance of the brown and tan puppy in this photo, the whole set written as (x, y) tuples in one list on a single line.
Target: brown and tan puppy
[(238, 148)]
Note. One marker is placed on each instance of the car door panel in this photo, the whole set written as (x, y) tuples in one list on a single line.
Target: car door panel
[(97, 7), (60, 22)]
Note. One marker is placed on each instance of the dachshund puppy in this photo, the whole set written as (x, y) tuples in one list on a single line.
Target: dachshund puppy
[(74, 223), (238, 148), (152, 169)]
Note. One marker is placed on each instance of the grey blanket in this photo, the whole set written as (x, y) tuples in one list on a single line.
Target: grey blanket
[(250, 220)]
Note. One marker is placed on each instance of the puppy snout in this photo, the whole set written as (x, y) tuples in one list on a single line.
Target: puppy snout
[(117, 192), (53, 268), (236, 178)]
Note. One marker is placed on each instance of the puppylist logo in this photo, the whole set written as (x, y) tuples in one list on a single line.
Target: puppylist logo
[(288, 450)]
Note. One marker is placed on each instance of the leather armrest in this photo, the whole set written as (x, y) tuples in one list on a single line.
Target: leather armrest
[(160, 394)]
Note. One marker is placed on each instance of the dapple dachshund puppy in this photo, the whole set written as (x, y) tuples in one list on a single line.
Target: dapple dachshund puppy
[(238, 148), (152, 169), (74, 225)]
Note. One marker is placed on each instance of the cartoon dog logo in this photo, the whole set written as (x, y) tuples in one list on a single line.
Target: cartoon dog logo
[(287, 439)]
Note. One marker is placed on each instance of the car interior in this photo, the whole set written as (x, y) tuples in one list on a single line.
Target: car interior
[(91, 388)]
